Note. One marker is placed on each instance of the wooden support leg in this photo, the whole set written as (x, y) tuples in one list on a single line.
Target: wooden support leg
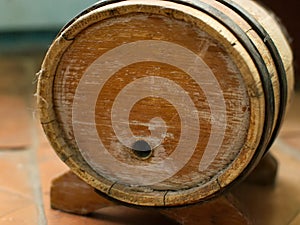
[(71, 194), (222, 211)]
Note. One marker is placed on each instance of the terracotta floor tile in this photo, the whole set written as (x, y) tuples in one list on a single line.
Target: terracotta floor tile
[(16, 172), (19, 201), (12, 201), (26, 216), (16, 123)]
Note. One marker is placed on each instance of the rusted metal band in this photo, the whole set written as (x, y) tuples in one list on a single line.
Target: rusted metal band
[(257, 27)]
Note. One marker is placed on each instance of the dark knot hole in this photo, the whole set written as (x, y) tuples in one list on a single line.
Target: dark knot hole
[(141, 149)]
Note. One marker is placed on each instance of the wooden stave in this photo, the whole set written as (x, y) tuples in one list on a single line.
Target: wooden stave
[(187, 197)]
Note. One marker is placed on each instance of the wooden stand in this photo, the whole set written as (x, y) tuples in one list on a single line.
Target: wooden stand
[(70, 194)]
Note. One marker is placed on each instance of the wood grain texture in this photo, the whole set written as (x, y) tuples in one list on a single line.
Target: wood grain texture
[(167, 74)]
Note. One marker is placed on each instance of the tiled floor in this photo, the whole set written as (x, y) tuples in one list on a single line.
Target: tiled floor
[(28, 164)]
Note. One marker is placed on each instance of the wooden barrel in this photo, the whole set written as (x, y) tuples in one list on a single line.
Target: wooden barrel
[(165, 103)]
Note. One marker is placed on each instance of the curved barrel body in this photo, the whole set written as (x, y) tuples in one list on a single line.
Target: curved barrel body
[(165, 103)]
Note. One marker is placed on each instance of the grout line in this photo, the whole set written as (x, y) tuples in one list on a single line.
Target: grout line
[(35, 176)]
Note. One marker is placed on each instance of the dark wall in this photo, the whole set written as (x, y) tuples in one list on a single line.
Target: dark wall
[(289, 13)]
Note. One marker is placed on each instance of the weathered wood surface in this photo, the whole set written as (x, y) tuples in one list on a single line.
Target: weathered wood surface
[(168, 75)]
